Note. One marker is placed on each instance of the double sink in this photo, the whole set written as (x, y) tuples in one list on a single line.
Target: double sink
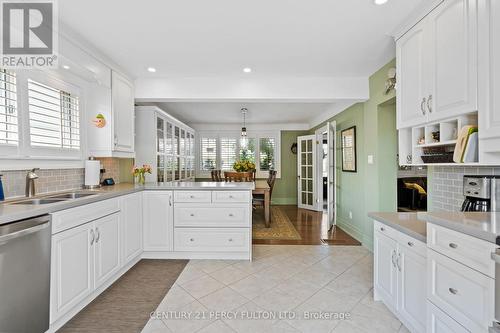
[(53, 198)]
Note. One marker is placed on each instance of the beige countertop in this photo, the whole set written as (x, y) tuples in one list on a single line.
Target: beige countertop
[(485, 226), (412, 224), (10, 212)]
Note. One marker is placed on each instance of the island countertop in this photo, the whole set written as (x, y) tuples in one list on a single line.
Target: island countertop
[(482, 225), (10, 212)]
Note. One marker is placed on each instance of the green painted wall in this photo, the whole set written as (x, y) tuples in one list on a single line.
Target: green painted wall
[(371, 187), (285, 188)]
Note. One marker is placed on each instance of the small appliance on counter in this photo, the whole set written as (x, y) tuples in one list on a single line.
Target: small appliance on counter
[(2, 196), (482, 194), (92, 173)]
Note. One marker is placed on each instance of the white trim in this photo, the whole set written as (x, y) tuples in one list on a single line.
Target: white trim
[(319, 167), (416, 16), (332, 111), (252, 127)]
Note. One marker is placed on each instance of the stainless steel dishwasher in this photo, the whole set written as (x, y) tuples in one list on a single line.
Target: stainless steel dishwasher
[(25, 275)]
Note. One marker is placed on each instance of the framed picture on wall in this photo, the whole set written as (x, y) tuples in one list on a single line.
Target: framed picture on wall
[(348, 139)]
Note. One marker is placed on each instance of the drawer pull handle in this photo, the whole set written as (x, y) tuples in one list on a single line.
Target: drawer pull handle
[(453, 291), (231, 215), (453, 245), (191, 214), (191, 239), (230, 239), (231, 197), (410, 244), (191, 196)]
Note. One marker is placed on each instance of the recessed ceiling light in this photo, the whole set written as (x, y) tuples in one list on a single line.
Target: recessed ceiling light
[(65, 66), (151, 69), (380, 2), (247, 70)]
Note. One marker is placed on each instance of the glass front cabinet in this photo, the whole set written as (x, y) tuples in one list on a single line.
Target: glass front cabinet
[(165, 143)]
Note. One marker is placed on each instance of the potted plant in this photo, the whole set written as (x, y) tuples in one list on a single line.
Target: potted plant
[(243, 166), (140, 173)]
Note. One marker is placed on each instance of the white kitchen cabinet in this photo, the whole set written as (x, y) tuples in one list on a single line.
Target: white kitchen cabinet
[(165, 143), (123, 113), (131, 222), (411, 285), (489, 80), (385, 252), (107, 247), (158, 221), (72, 269), (437, 65), (411, 67), (440, 322)]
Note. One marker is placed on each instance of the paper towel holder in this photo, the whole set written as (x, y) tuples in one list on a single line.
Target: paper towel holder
[(96, 186)]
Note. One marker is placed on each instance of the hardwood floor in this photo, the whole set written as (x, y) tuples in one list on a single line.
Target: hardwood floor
[(312, 227)]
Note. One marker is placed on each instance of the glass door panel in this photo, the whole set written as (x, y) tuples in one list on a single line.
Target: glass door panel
[(176, 140), (160, 168), (169, 150), (169, 172), (160, 135), (306, 176)]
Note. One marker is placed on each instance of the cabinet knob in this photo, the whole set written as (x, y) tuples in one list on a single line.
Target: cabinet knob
[(191, 196), (410, 244), (191, 239), (382, 229), (453, 291), (453, 245), (231, 197)]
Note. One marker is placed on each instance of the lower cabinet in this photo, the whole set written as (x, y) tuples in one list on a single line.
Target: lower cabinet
[(83, 258), (131, 222), (400, 276), (440, 322), (158, 221)]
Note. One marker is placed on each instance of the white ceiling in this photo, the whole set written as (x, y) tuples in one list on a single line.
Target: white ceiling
[(229, 112), (199, 38)]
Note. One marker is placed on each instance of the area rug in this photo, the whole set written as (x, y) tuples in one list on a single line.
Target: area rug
[(281, 227)]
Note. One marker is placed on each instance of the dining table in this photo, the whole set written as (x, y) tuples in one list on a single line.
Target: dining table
[(261, 187)]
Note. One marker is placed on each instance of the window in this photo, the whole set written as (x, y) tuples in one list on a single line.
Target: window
[(54, 117), (219, 150), (267, 148), (208, 155), (228, 149), (8, 108)]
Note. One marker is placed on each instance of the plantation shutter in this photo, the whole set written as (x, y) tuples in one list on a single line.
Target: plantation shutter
[(208, 148), (9, 134), (229, 151)]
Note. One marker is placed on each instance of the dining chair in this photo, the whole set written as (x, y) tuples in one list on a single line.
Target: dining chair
[(216, 175), (258, 199)]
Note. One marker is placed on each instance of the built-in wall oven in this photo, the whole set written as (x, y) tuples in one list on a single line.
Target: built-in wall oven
[(25, 275)]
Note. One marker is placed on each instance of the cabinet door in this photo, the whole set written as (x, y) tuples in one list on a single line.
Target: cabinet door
[(411, 288), (158, 221), (72, 269), (131, 215), (107, 247), (489, 79), (410, 50), (123, 113), (452, 33), (440, 322), (385, 271)]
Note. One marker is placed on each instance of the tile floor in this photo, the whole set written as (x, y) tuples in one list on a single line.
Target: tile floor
[(302, 279)]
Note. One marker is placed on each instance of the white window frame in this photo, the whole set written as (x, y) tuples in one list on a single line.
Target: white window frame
[(252, 134), (24, 156)]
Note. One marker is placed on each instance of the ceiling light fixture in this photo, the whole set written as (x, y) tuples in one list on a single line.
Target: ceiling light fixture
[(244, 139), (380, 2), (247, 70), (151, 69)]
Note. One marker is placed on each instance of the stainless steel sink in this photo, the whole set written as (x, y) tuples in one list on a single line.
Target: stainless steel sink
[(73, 195), (40, 201)]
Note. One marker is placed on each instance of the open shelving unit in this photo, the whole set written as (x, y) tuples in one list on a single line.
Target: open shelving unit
[(440, 137)]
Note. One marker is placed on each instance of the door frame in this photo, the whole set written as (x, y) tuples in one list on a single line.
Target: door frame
[(299, 179)]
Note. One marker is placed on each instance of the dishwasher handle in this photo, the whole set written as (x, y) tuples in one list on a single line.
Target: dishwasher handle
[(496, 256), (23, 228)]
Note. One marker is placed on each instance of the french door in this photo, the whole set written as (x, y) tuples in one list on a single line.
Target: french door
[(306, 169), (332, 173)]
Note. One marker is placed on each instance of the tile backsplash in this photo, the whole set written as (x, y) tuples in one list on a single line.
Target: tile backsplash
[(56, 180), (445, 185)]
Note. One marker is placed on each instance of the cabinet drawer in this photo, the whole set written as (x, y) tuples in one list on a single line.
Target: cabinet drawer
[(211, 216), (470, 251), (213, 239), (440, 322), (73, 217), (230, 196), (385, 230), (412, 244), (192, 196), (463, 293)]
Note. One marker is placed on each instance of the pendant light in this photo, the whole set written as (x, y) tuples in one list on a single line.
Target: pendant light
[(244, 138)]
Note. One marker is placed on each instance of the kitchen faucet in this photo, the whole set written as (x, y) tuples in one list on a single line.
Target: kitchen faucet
[(30, 182)]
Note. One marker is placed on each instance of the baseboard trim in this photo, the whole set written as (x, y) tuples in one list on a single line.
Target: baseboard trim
[(284, 201), (196, 255)]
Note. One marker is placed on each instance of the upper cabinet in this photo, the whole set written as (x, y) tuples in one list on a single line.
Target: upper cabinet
[(489, 80), (123, 113), (437, 65)]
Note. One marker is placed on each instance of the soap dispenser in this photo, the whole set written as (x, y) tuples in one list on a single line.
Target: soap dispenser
[(2, 196)]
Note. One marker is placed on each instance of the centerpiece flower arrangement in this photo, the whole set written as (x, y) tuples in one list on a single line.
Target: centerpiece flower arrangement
[(140, 173), (243, 166)]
